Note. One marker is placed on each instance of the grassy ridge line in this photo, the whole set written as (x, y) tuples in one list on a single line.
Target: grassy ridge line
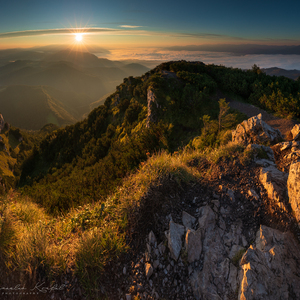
[(87, 238)]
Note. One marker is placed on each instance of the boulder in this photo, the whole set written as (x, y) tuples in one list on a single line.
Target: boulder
[(270, 270), (175, 234), (193, 245), (188, 220), (152, 239), (2, 123), (255, 131), (152, 106), (293, 186), (296, 132), (274, 181), (148, 270)]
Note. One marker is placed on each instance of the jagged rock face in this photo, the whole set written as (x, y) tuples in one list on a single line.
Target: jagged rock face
[(255, 131), (2, 123), (218, 276), (296, 132), (293, 185), (274, 181), (175, 235), (270, 270), (286, 154), (152, 107)]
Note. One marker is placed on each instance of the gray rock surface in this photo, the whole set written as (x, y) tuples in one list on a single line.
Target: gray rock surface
[(296, 132), (152, 106), (293, 185), (148, 270), (2, 123), (270, 270), (175, 234), (193, 245), (274, 181), (187, 220)]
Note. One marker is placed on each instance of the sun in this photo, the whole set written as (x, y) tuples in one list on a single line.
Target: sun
[(78, 37)]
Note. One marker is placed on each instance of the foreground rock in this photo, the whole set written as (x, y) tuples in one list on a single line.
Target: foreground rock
[(2, 123), (296, 132), (274, 181), (255, 131), (153, 106), (293, 185), (270, 270)]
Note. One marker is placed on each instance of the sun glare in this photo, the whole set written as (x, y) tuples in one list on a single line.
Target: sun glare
[(78, 37)]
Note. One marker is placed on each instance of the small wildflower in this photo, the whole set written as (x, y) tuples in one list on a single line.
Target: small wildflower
[(148, 153)]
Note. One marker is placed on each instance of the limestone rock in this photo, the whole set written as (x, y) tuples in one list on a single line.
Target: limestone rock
[(175, 234), (188, 220), (296, 132), (153, 106), (148, 270), (293, 185), (2, 123), (274, 181), (207, 219), (285, 145), (270, 270), (255, 131), (193, 244), (152, 239), (161, 248)]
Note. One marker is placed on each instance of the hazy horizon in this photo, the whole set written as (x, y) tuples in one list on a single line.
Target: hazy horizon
[(232, 33), (153, 55)]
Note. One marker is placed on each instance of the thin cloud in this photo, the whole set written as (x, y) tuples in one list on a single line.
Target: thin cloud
[(219, 58), (130, 26), (124, 30), (242, 49), (55, 31)]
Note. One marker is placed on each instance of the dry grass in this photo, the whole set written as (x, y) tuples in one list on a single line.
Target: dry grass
[(89, 237)]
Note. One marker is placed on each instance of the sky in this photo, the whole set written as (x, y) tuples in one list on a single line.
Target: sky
[(230, 32)]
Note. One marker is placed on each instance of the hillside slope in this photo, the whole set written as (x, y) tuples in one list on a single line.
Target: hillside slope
[(159, 155), (30, 107)]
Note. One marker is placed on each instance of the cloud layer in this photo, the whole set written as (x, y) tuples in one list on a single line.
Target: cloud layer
[(219, 58)]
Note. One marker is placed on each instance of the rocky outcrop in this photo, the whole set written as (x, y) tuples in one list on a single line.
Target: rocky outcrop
[(270, 269), (220, 250), (2, 123), (255, 131), (296, 132), (174, 236), (152, 106), (293, 185), (274, 181)]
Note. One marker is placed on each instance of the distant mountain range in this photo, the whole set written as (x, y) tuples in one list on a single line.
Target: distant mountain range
[(69, 80), (293, 74)]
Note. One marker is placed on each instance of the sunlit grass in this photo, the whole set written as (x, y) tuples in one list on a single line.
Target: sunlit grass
[(87, 238)]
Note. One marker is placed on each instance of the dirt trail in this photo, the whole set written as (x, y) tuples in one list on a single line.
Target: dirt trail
[(283, 125)]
